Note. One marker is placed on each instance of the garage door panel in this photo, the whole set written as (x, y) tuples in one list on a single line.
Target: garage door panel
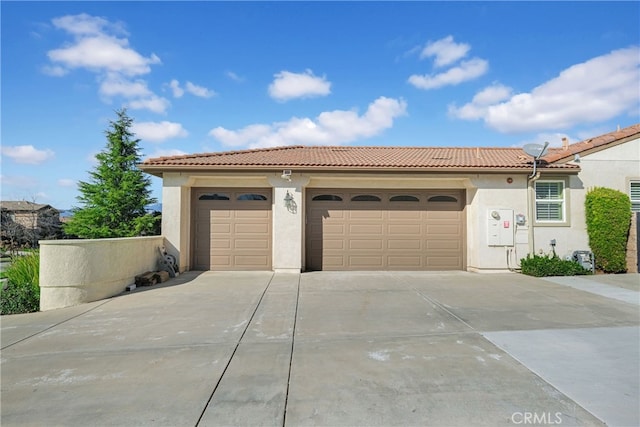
[(409, 229), (395, 262), (404, 244), (331, 244), (421, 230), (220, 261), (368, 262), (443, 263), (251, 260), (403, 215), (443, 215), (259, 229), (334, 261), (366, 244), (366, 229), (446, 229), (250, 244), (256, 213), (233, 234), (330, 229), (365, 215), (443, 244), (220, 243), (213, 213), (219, 228), (327, 214)]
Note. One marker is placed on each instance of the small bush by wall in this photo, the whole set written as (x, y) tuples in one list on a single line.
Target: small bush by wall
[(550, 265), (608, 215), (21, 293)]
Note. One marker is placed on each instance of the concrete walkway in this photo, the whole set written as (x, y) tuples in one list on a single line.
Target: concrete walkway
[(325, 349)]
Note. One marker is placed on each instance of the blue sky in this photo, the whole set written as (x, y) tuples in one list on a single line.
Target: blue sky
[(216, 76)]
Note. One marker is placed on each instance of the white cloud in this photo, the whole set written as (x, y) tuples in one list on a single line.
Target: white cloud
[(103, 53), (554, 139), (176, 89), (153, 103), (20, 182), (233, 76), (445, 50), (65, 182), (54, 70), (191, 88), (467, 70), (288, 85), (158, 132), (592, 91), (165, 153), (84, 24), (27, 154), (478, 107), (101, 47), (116, 85), (329, 128), (199, 91)]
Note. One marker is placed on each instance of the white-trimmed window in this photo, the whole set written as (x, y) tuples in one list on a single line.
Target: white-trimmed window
[(634, 195), (550, 201)]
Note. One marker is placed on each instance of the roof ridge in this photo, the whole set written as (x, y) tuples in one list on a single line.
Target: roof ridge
[(225, 153), (594, 142), (406, 147)]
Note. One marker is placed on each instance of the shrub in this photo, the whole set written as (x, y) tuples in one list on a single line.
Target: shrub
[(550, 265), (608, 215), (21, 294)]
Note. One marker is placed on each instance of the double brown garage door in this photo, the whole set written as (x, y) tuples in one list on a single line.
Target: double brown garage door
[(385, 230), (345, 229)]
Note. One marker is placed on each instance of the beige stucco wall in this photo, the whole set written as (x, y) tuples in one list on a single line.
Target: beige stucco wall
[(73, 272), (484, 192), (611, 168)]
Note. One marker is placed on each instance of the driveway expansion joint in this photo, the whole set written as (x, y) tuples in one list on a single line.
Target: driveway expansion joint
[(248, 323)]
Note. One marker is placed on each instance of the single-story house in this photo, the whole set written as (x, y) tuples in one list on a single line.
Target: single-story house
[(24, 221), (299, 208)]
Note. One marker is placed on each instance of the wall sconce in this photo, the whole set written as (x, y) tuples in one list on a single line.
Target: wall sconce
[(290, 203)]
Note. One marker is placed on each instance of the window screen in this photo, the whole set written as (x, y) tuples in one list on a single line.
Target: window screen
[(634, 195), (550, 201)]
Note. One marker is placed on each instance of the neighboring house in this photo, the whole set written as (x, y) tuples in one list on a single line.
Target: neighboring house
[(26, 222), (385, 208)]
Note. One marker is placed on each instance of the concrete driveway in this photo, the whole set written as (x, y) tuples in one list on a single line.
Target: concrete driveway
[(329, 349)]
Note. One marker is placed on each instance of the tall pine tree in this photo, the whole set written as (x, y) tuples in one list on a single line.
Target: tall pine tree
[(113, 201)]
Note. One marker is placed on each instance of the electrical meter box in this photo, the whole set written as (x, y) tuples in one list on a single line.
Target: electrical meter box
[(500, 227)]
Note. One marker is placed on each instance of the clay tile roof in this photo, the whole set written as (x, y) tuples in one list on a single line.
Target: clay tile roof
[(323, 157), (559, 155)]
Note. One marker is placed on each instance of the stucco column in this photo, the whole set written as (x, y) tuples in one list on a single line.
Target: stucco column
[(176, 217), (287, 222)]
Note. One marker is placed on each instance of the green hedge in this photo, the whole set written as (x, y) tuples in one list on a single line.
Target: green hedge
[(550, 265), (608, 214), (21, 294)]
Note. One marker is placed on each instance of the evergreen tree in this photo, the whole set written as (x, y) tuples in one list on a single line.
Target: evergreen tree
[(114, 200)]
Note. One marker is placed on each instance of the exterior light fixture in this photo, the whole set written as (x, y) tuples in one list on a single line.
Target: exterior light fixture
[(286, 175), (290, 203)]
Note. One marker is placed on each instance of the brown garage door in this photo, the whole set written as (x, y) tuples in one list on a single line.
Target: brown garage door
[(385, 230), (232, 229)]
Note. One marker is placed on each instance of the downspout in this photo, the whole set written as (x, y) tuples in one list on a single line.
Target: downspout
[(530, 210)]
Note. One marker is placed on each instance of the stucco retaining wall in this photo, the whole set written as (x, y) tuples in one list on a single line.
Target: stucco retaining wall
[(73, 272)]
